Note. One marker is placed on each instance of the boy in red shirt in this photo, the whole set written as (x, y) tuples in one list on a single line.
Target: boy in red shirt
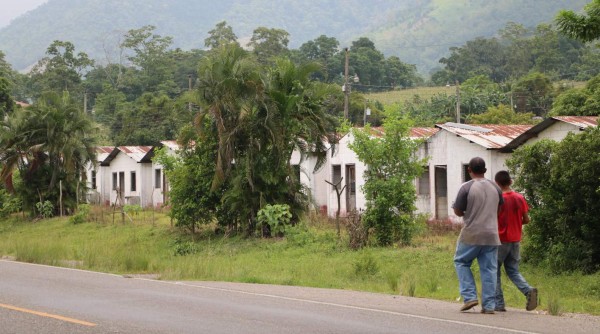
[(511, 217)]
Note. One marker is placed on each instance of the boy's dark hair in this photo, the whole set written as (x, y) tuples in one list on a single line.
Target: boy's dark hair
[(503, 178)]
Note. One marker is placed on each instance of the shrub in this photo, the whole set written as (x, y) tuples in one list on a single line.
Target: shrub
[(45, 209), (83, 210), (276, 217)]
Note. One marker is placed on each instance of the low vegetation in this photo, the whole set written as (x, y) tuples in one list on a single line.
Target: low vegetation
[(310, 255)]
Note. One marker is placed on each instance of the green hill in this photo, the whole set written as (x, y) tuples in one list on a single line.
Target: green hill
[(419, 32)]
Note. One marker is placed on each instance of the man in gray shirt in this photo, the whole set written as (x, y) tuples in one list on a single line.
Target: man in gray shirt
[(477, 202)]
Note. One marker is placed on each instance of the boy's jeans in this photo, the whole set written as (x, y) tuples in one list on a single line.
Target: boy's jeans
[(510, 255), (487, 258)]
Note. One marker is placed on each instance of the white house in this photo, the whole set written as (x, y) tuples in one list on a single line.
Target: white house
[(130, 175), (449, 151), (98, 177)]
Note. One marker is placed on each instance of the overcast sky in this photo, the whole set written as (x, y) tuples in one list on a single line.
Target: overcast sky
[(10, 9)]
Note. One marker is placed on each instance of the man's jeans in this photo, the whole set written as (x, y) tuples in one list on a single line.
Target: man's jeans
[(487, 258), (510, 255)]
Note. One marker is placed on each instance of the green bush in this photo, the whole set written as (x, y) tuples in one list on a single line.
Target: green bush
[(561, 182), (277, 217), (45, 209), (83, 210)]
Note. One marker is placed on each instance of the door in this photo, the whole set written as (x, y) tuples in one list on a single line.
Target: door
[(350, 188), (441, 192)]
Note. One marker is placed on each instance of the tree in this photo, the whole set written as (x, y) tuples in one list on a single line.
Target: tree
[(561, 182), (221, 35), (61, 70), (579, 101), (152, 59), (480, 56), (533, 93), (583, 27), (6, 102), (389, 178), (397, 73), (49, 144), (267, 43), (501, 114)]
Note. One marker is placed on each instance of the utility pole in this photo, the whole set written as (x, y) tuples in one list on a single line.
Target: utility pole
[(85, 102), (457, 102), (190, 89), (346, 86)]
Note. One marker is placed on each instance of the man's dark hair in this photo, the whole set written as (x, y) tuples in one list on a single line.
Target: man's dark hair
[(503, 178), (477, 165)]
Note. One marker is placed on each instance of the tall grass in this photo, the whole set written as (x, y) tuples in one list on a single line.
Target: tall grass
[(311, 255)]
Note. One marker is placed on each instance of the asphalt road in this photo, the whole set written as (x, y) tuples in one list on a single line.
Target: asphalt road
[(43, 299)]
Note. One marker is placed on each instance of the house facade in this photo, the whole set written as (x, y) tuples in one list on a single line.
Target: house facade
[(128, 175)]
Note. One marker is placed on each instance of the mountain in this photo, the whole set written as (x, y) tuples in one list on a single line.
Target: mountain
[(418, 31)]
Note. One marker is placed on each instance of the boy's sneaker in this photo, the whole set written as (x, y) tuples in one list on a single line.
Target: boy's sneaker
[(532, 299), (500, 309), (469, 305), (484, 311)]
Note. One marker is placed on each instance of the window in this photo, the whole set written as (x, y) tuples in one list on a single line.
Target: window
[(157, 178), (133, 185), (466, 175), (423, 182), (114, 181), (336, 173), (93, 179)]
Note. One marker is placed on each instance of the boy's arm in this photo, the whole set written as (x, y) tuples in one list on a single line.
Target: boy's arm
[(525, 218)]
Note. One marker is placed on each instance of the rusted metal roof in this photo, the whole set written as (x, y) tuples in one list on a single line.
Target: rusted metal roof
[(423, 132), (490, 136), (415, 133), (102, 152), (171, 144), (137, 153), (581, 122)]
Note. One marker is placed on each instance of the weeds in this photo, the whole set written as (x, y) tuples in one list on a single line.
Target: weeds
[(554, 305), (366, 266)]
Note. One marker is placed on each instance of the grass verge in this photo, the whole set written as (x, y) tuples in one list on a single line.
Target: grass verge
[(309, 256)]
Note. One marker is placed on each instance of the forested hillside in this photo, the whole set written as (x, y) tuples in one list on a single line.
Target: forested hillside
[(419, 32)]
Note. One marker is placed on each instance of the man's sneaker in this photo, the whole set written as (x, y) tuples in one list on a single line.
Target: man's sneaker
[(484, 311), (469, 305), (532, 299), (500, 309)]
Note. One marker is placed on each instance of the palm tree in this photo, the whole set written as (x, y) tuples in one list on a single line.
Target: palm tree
[(49, 142)]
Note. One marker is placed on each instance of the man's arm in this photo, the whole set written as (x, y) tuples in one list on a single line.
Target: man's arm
[(525, 218)]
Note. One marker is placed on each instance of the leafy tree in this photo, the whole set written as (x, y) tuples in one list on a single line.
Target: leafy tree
[(579, 102), (561, 181), (151, 119), (533, 93), (221, 35), (61, 70), (152, 59), (50, 144), (267, 43), (582, 27), (389, 187), (501, 114), (397, 73), (6, 102), (480, 56), (192, 201), (368, 63)]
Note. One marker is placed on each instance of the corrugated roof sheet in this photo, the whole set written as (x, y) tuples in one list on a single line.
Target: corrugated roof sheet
[(580, 121), (491, 136), (417, 132), (172, 144), (102, 152), (423, 132), (137, 153)]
